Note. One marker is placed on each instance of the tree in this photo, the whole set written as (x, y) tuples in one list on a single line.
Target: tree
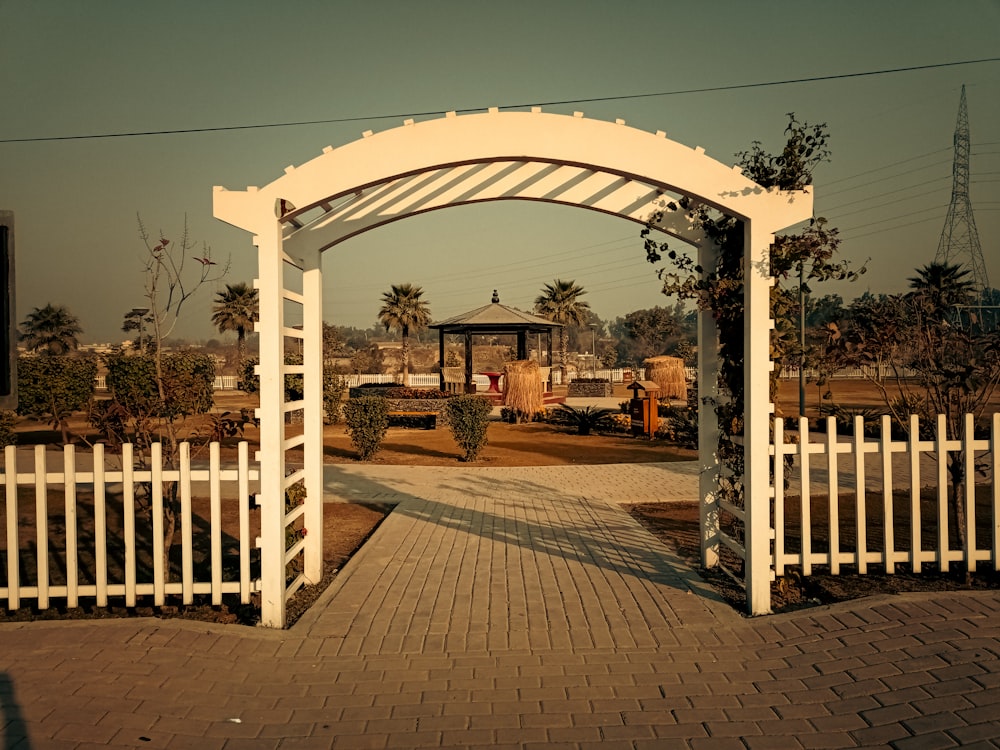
[(54, 387), (333, 344), (923, 364), (137, 320), (135, 412), (236, 309), (720, 288), (403, 310), (560, 302), (942, 286), (651, 332), (51, 330), (155, 393)]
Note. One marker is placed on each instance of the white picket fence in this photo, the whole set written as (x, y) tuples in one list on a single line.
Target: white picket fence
[(890, 530), (855, 373), (103, 539), (222, 382)]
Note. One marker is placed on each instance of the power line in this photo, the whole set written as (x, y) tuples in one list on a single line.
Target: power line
[(887, 166), (435, 113), (887, 192), (935, 217)]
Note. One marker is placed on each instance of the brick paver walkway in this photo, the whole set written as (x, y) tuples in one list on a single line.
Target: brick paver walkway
[(516, 608)]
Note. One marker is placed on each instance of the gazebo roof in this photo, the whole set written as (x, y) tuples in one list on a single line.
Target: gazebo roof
[(495, 318)]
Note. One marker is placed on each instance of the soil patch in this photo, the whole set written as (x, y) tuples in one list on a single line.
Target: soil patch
[(676, 525), (535, 444), (346, 526)]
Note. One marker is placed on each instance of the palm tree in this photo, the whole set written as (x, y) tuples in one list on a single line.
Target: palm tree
[(942, 285), (51, 330), (236, 309), (404, 311), (560, 302)]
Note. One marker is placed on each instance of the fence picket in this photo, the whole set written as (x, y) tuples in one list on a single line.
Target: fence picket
[(243, 497), (13, 543), (805, 501), (916, 525), (994, 449), (215, 500), (969, 454), (128, 520), (156, 476), (888, 525), (860, 498), (187, 524), (42, 526), (832, 459), (72, 547), (942, 485), (938, 449), (82, 562), (100, 528)]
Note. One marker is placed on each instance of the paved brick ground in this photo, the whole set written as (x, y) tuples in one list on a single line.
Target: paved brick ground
[(516, 608)]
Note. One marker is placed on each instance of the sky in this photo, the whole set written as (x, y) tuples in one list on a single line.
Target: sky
[(107, 67)]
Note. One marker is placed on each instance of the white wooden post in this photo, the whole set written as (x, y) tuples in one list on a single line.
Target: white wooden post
[(757, 282), (312, 358), (270, 286), (708, 421)]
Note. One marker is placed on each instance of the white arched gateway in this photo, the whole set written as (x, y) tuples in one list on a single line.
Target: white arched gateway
[(457, 160)]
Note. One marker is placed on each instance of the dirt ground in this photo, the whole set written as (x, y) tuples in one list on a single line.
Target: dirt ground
[(347, 526), (676, 525)]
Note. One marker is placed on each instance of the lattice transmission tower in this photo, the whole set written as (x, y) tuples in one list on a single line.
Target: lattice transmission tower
[(959, 243)]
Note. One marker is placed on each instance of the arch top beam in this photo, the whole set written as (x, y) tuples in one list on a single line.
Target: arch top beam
[(395, 163)]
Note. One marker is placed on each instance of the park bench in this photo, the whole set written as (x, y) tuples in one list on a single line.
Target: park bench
[(429, 417)]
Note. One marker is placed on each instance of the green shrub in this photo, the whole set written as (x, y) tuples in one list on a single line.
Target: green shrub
[(468, 418), (367, 420), (680, 424), (415, 393), (333, 385), (333, 392), (52, 388), (586, 418), (188, 384), (7, 436)]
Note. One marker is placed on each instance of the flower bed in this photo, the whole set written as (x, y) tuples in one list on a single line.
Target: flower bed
[(402, 399), (589, 388)]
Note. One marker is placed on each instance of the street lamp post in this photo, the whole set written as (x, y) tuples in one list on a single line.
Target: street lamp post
[(139, 314), (593, 346)]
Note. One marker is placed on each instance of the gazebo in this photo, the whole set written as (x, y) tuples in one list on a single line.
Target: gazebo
[(492, 319)]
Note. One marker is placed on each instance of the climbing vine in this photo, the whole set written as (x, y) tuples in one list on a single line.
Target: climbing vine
[(720, 289)]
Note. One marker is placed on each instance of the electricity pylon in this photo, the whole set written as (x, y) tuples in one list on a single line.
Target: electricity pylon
[(959, 243)]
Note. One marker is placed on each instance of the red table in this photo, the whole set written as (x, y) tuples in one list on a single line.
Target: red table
[(494, 381)]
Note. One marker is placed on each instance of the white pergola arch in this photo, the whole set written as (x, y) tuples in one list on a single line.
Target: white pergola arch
[(458, 160)]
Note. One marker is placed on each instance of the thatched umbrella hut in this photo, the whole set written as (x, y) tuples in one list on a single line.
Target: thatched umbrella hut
[(668, 373), (522, 390)]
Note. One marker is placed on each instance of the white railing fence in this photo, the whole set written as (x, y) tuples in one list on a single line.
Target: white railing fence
[(615, 375), (91, 527), (868, 372), (222, 382), (897, 512)]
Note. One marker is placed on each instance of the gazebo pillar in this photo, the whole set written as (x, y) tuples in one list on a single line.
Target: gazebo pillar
[(468, 361), (522, 345), (441, 359)]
